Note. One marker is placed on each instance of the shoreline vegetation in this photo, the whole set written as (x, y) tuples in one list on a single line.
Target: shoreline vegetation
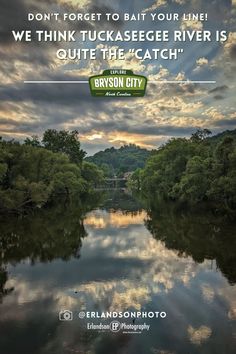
[(36, 173), (197, 173)]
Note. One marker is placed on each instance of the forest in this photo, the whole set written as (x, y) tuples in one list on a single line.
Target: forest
[(201, 169), (198, 170), (35, 173), (127, 158)]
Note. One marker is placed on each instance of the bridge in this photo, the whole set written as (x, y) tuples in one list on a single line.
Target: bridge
[(115, 179), (115, 182)]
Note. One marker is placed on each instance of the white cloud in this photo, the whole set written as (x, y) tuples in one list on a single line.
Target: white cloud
[(201, 63), (191, 24), (156, 5)]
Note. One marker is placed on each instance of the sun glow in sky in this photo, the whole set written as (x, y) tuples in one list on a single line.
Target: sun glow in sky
[(166, 111)]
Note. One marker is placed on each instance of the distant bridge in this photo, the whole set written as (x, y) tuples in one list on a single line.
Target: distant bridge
[(115, 182), (115, 179)]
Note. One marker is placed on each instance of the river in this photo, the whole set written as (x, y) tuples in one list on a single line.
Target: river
[(117, 258)]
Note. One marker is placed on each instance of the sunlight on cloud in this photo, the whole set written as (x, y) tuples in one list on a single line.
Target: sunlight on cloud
[(156, 5), (79, 3), (191, 24), (214, 113), (93, 136), (201, 63), (121, 138)]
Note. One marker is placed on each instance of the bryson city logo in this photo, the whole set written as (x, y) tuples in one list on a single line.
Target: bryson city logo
[(118, 83)]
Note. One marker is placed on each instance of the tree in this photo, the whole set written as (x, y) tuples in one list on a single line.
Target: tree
[(200, 134), (134, 181), (166, 166), (34, 141), (125, 159), (199, 169), (64, 142), (31, 176), (195, 181), (92, 174)]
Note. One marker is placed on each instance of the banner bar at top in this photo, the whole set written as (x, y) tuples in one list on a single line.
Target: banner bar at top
[(149, 81)]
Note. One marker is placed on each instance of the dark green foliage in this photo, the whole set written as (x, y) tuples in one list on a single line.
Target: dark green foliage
[(118, 161), (200, 134), (199, 169), (92, 174), (45, 234), (64, 142), (31, 175), (34, 141)]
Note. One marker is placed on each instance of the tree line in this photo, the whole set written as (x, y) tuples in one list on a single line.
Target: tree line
[(192, 171), (34, 173)]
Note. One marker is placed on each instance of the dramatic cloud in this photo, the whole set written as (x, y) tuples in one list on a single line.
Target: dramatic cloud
[(167, 110)]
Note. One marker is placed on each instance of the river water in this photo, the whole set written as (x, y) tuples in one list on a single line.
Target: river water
[(117, 258)]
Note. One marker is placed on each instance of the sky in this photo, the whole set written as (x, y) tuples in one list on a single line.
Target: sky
[(166, 111)]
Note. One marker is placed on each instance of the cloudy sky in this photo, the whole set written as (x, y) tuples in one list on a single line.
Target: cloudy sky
[(167, 110)]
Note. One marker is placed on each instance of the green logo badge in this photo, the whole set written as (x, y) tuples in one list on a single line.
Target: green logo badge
[(118, 83)]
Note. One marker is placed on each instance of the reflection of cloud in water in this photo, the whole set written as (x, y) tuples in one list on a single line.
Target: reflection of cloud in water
[(229, 294), (208, 292), (131, 297), (160, 268), (99, 219), (199, 335), (159, 272), (155, 278), (24, 295), (164, 271), (157, 351)]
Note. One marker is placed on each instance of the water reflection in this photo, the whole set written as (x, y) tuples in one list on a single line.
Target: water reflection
[(40, 238), (201, 236), (130, 259)]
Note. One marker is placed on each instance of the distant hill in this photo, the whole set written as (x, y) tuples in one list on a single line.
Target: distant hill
[(118, 161), (128, 158), (220, 136)]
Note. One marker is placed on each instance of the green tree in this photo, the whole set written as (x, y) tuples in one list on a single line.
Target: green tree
[(125, 159), (31, 176), (92, 174), (199, 169), (165, 167), (34, 141), (200, 134), (64, 142), (195, 181)]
